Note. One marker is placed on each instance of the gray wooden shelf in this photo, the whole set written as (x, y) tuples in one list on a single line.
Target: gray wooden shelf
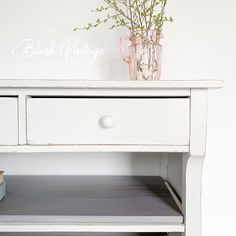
[(88, 200)]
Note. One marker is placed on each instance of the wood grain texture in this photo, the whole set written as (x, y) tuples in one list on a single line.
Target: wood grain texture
[(88, 199), (2, 190)]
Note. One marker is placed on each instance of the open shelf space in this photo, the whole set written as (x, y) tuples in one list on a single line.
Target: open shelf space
[(89, 203)]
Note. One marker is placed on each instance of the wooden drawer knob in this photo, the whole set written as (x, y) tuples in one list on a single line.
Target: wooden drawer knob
[(107, 122)]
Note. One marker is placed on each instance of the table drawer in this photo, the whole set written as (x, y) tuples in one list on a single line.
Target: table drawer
[(157, 121), (8, 121)]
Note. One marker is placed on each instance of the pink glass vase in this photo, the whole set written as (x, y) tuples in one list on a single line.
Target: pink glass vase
[(144, 54)]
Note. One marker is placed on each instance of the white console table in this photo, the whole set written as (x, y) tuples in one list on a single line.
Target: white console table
[(167, 117)]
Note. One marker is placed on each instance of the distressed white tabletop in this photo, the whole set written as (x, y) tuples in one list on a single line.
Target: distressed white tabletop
[(171, 84)]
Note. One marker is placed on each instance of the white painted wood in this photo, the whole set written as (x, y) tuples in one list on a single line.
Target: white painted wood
[(198, 126), (91, 228), (8, 121), (146, 116), (82, 234), (134, 121), (177, 201), (174, 172), (192, 187), (81, 163), (122, 84), (99, 92), (22, 119), (164, 165), (192, 163), (93, 148)]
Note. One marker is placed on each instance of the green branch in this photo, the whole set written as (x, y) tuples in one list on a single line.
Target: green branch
[(141, 15)]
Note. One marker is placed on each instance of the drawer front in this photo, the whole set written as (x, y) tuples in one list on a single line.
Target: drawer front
[(108, 121), (8, 121)]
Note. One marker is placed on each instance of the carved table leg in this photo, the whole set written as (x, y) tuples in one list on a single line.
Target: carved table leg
[(192, 186)]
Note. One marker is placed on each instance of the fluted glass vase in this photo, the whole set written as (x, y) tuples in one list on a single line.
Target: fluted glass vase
[(144, 54)]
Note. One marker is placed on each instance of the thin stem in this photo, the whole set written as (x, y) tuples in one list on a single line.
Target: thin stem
[(145, 13), (152, 6), (130, 13), (118, 10), (142, 15), (162, 15), (139, 15)]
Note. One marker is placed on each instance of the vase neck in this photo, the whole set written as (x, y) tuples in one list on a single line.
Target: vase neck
[(150, 36)]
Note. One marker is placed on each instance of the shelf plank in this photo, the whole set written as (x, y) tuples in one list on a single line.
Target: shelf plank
[(92, 148), (89, 203), (82, 234), (24, 227)]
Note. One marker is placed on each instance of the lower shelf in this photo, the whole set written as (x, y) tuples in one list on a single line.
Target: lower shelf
[(88, 204), (83, 234)]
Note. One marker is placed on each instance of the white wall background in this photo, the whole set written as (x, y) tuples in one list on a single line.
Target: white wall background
[(200, 44)]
